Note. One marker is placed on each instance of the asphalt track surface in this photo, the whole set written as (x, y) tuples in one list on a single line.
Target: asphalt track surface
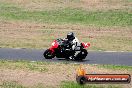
[(114, 58)]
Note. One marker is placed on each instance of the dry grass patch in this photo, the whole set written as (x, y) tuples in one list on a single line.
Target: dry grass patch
[(85, 4), (36, 35), (106, 4)]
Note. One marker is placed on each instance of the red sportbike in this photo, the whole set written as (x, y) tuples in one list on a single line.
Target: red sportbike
[(62, 49)]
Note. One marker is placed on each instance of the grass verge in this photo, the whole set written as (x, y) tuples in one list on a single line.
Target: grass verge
[(11, 85), (116, 67), (25, 65), (27, 74), (68, 84)]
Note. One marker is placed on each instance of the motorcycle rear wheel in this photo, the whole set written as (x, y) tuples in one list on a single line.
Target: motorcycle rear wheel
[(48, 54)]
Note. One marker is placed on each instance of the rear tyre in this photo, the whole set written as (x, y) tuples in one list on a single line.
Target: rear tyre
[(48, 54)]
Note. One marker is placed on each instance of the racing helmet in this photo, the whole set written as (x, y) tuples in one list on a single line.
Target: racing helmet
[(70, 36)]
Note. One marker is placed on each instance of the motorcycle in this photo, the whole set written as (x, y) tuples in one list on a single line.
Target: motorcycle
[(62, 49)]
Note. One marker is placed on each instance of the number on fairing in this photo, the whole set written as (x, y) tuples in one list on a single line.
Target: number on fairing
[(86, 44)]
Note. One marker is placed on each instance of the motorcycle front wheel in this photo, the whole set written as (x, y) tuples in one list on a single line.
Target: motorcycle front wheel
[(48, 54), (82, 55)]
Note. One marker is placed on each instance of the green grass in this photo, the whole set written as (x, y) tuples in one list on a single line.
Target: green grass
[(116, 67), (67, 15), (129, 0), (75, 85), (63, 85), (11, 85), (26, 65)]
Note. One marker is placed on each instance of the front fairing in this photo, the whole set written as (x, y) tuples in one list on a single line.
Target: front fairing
[(54, 45)]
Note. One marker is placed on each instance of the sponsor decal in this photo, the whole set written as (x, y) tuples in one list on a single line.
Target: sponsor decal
[(83, 78)]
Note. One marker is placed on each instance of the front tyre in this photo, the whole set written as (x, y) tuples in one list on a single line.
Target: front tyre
[(82, 55), (48, 54)]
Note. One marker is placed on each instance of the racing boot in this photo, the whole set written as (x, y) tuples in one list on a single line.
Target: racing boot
[(72, 57)]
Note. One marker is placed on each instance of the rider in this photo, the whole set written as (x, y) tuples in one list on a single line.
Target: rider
[(75, 44)]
